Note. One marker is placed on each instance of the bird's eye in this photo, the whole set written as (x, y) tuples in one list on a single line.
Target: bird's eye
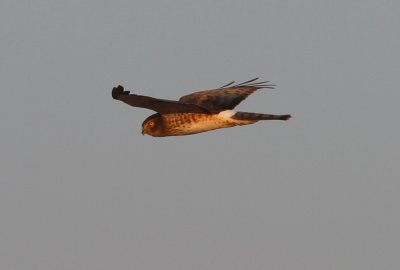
[(151, 123)]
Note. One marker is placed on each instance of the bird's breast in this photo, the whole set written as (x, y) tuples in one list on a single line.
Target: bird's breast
[(190, 123)]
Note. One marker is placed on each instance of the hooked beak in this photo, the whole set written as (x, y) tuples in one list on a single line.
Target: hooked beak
[(143, 131)]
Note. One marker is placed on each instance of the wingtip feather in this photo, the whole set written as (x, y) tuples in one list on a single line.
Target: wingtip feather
[(118, 91), (252, 83)]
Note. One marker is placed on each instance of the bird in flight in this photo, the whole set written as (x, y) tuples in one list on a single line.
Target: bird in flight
[(198, 112)]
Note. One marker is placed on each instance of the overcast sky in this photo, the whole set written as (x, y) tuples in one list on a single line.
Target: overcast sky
[(81, 188)]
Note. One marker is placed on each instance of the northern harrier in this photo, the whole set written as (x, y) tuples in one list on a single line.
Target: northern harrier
[(197, 112)]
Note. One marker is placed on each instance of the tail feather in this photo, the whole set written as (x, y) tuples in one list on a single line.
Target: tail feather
[(259, 116)]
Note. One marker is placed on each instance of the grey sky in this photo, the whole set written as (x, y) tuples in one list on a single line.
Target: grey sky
[(81, 188)]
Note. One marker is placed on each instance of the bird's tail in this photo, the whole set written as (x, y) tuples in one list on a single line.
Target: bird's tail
[(259, 116)]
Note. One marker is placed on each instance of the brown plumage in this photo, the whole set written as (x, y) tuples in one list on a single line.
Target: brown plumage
[(197, 112)]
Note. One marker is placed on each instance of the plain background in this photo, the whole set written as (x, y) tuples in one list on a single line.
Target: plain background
[(81, 188)]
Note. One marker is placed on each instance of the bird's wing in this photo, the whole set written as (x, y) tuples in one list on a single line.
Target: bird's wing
[(225, 98), (162, 106)]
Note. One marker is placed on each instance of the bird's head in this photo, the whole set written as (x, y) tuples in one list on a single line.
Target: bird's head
[(153, 125)]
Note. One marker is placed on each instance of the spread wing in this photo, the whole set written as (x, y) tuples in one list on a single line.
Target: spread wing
[(162, 106), (225, 98)]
